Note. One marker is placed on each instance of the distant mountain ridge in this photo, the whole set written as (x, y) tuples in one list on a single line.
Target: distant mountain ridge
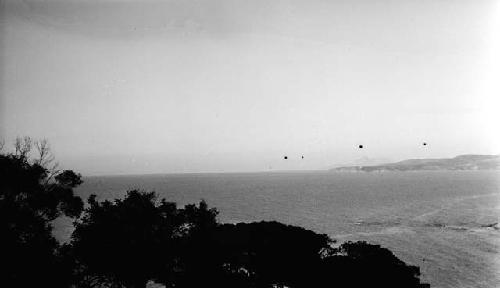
[(461, 162)]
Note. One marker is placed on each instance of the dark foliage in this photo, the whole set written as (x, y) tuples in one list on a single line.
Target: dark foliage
[(128, 242), (29, 201), (271, 254), (360, 264), (263, 254), (131, 241)]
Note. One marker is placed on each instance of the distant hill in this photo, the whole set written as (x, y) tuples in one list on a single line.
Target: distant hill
[(462, 162)]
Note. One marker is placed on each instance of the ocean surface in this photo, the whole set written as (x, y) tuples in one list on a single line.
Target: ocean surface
[(442, 221)]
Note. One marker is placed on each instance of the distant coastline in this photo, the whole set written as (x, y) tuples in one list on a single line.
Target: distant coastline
[(461, 162)]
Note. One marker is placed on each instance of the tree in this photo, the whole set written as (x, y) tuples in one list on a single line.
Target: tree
[(128, 242), (29, 202), (360, 264), (272, 254), (259, 254)]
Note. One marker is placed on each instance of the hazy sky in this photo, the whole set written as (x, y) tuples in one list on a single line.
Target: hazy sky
[(190, 86)]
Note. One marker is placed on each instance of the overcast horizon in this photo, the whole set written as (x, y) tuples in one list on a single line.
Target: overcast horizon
[(124, 87)]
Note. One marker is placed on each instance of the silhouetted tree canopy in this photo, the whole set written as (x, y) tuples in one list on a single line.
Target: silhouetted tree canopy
[(29, 201), (272, 254), (140, 238), (360, 264), (263, 254), (128, 242), (136, 239)]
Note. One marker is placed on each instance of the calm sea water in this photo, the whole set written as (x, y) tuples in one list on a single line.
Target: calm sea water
[(436, 220)]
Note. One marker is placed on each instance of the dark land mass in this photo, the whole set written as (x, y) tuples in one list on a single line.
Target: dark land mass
[(462, 162)]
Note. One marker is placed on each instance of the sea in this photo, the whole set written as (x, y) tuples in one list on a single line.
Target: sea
[(445, 222)]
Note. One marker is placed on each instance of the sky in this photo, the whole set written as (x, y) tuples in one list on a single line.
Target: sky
[(129, 87)]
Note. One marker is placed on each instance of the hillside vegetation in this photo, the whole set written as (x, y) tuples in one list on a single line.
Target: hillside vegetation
[(462, 162)]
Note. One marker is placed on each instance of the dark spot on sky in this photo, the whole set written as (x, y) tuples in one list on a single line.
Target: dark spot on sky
[(286, 157), (425, 144), (360, 146), (302, 156)]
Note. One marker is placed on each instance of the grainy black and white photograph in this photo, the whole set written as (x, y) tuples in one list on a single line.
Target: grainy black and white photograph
[(252, 144)]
